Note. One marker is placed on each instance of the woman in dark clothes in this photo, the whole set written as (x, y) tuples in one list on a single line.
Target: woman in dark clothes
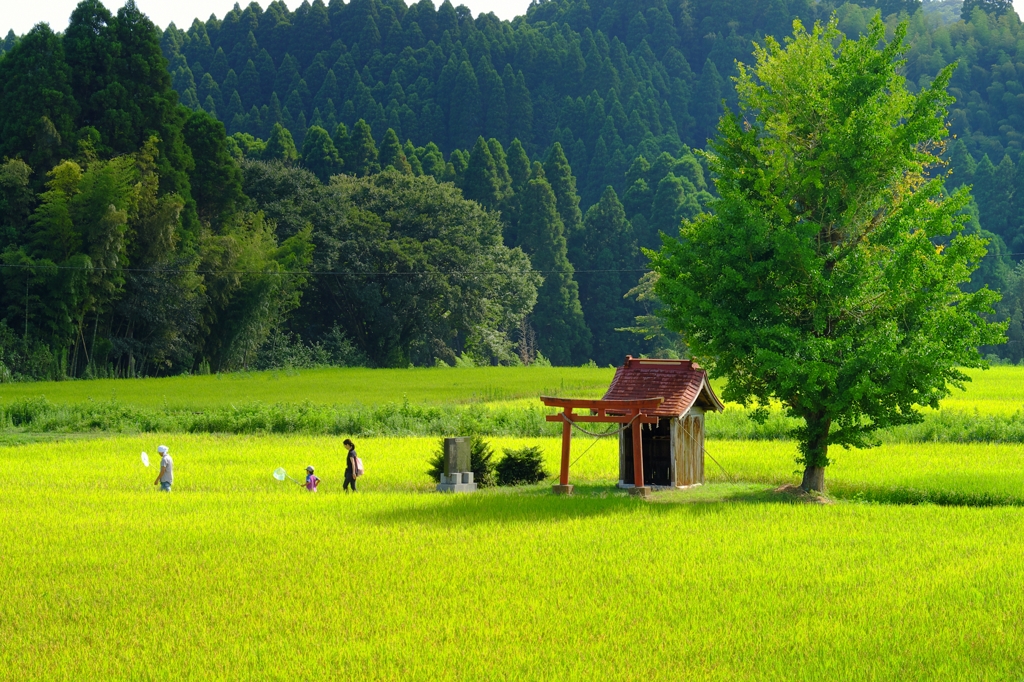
[(350, 465)]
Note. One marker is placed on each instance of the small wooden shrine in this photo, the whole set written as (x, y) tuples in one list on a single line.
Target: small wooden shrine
[(661, 405), (673, 446)]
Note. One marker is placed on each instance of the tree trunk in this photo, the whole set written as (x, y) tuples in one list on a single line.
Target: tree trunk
[(814, 479), (815, 452)]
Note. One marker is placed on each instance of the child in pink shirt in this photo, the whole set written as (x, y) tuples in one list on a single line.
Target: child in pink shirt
[(311, 480)]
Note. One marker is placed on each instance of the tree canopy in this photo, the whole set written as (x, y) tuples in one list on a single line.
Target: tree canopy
[(829, 276)]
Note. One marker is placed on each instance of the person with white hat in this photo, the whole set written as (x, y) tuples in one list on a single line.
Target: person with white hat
[(166, 476)]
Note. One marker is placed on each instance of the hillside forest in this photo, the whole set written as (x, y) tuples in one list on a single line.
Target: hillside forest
[(383, 184)]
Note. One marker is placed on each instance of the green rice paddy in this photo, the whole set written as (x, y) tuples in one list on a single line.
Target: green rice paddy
[(914, 572), (328, 386), (235, 575), (997, 391)]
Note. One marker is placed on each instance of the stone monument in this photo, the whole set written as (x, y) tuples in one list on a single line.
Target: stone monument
[(457, 476)]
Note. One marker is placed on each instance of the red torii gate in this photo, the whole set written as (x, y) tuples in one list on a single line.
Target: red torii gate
[(606, 411)]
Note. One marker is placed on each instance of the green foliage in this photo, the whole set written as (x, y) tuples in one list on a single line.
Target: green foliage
[(521, 466), (16, 201), (37, 108), (481, 182), (391, 153), (603, 94), (559, 175), (996, 7), (280, 146), (609, 85), (438, 278), (361, 157), (423, 272), (562, 334), (817, 282), (319, 154), (480, 462), (216, 182), (608, 269), (252, 284)]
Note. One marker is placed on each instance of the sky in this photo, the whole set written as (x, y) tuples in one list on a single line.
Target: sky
[(21, 15)]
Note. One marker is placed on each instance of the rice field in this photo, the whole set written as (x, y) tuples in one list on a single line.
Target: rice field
[(235, 575), (327, 386), (996, 391)]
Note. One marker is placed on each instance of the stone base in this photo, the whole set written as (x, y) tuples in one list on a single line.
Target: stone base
[(456, 487), (562, 489), (643, 491), (459, 482)]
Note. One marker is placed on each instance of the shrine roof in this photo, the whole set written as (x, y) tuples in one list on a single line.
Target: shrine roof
[(682, 383)]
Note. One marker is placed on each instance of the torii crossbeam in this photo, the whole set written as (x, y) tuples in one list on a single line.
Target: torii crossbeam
[(607, 411)]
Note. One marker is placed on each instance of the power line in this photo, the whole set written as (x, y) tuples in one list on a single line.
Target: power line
[(337, 273)]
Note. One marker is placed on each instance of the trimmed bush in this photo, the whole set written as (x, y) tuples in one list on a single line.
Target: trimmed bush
[(521, 466)]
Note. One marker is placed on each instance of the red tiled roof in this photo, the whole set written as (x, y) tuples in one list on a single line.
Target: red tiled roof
[(680, 382)]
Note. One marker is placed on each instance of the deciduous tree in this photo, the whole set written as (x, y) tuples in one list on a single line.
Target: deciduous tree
[(829, 276)]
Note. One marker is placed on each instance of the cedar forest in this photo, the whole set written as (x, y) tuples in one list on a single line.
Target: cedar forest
[(379, 184)]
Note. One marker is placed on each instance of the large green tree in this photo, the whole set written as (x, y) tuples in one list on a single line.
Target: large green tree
[(607, 271), (829, 276), (562, 333), (37, 109), (216, 182)]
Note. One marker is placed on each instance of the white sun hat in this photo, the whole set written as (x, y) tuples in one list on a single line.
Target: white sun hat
[(162, 449)]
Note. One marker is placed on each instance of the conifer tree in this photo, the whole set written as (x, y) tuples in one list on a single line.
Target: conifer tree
[(991, 195), (37, 109), (392, 154), (432, 160), (1015, 228), (562, 334), (281, 145), (666, 211), (501, 166), (362, 158), (343, 143), (520, 106), (249, 89), (320, 155), (518, 166), (962, 164), (480, 181), (559, 176), (465, 120), (707, 102), (608, 270), (90, 49), (414, 161), (215, 181), (519, 175)]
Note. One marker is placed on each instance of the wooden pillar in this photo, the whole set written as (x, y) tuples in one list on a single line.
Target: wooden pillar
[(638, 456), (563, 487), (566, 443)]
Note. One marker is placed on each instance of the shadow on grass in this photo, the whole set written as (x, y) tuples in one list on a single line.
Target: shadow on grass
[(11, 437), (915, 496), (537, 504)]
